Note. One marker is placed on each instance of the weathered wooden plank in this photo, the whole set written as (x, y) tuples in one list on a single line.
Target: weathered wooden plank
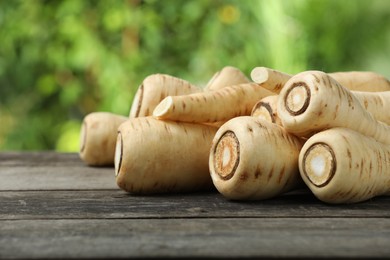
[(54, 206), (189, 238), (118, 204), (75, 177), (52, 171), (41, 158)]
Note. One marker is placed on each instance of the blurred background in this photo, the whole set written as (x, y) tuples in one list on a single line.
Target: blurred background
[(60, 60)]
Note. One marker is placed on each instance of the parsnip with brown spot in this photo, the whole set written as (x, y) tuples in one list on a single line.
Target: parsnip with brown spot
[(270, 79), (252, 159), (211, 106), (266, 109), (155, 88), (340, 165), (362, 81), (366, 81), (155, 156), (98, 138), (228, 76), (376, 103), (313, 101)]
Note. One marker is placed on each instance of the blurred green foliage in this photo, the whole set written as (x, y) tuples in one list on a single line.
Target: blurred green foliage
[(60, 60)]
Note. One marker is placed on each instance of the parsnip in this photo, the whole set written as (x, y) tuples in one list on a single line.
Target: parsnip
[(98, 138), (366, 81), (211, 106), (154, 156), (362, 81), (155, 88), (228, 76), (340, 165), (266, 109), (252, 159), (376, 103), (313, 101), (270, 79)]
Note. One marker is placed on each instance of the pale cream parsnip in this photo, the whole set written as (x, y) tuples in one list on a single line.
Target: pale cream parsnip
[(155, 156), (340, 165), (212, 106), (227, 76), (313, 101), (266, 109), (253, 159), (98, 138), (155, 88)]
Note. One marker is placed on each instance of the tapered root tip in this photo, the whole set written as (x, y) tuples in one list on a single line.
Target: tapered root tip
[(163, 107), (226, 155), (319, 164), (83, 137), (297, 98), (118, 154)]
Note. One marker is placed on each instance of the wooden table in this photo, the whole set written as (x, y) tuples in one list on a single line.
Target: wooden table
[(53, 206)]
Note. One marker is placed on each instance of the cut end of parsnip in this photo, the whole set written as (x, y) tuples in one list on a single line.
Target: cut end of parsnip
[(260, 75), (163, 107), (226, 155), (297, 99), (319, 164), (83, 137), (263, 111), (118, 154)]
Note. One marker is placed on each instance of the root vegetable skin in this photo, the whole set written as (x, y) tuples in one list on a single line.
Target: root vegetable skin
[(313, 101), (270, 79), (340, 165), (228, 76), (154, 156), (252, 159), (376, 103), (362, 81), (155, 88), (366, 81), (98, 138), (266, 109), (211, 106)]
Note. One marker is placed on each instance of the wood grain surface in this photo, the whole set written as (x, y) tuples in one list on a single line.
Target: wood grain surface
[(54, 206)]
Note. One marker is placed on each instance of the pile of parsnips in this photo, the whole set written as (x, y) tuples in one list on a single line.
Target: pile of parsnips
[(250, 139)]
